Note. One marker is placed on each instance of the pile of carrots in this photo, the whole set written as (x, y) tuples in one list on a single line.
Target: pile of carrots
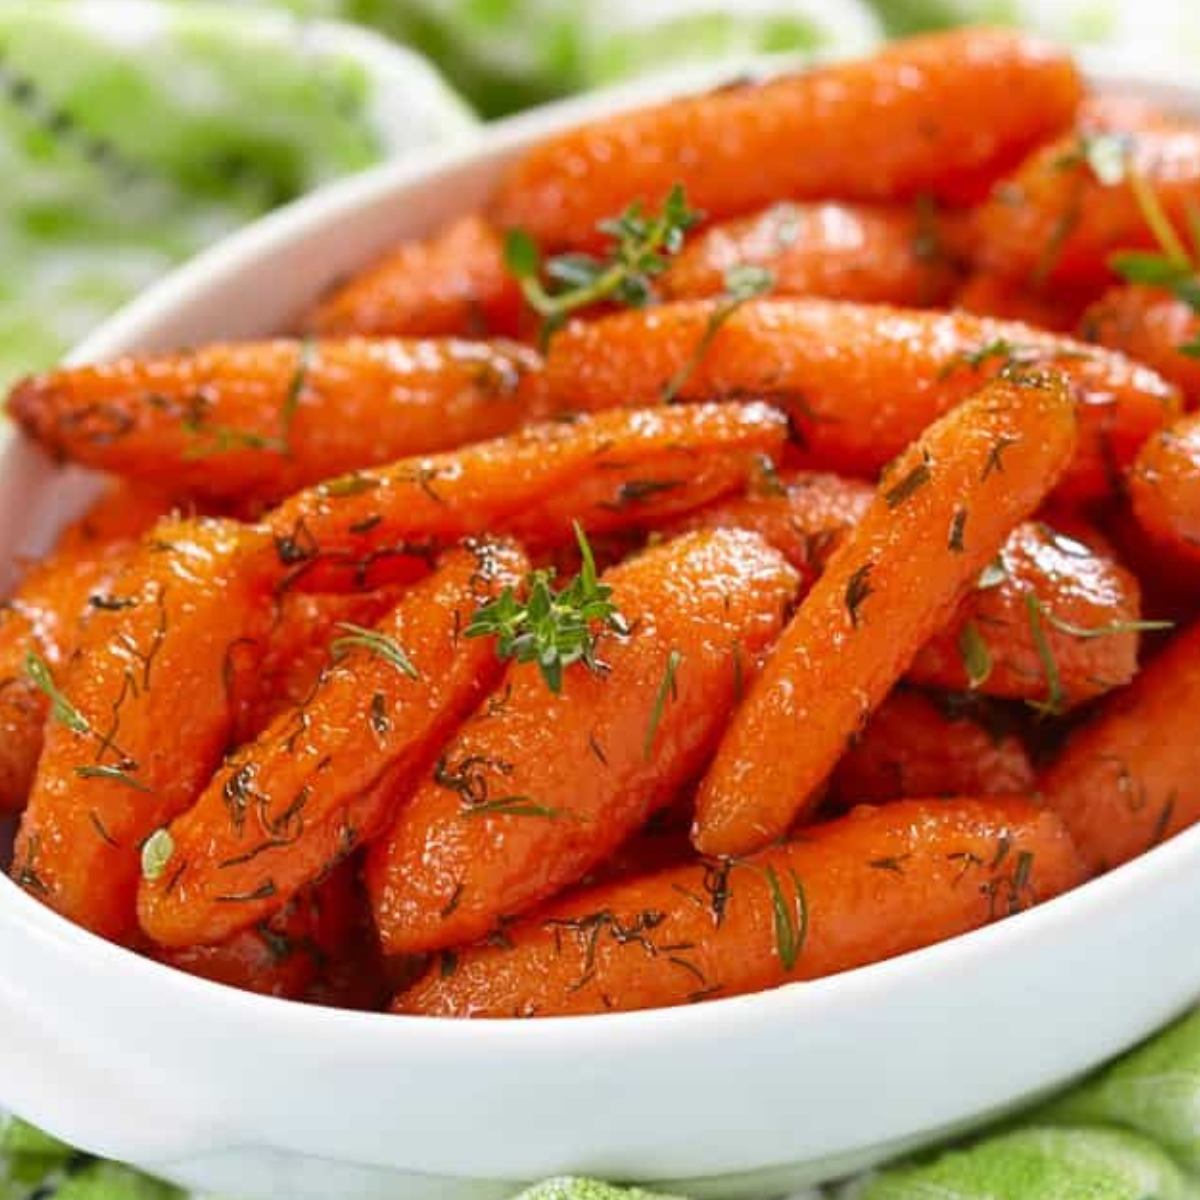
[(763, 542)]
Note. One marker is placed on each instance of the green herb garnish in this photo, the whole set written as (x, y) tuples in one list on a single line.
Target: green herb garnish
[(668, 689), (156, 854), (61, 709), (552, 629), (1053, 704), (976, 657), (790, 919), (642, 245), (916, 479), (379, 644), (858, 588), (114, 775), (743, 282)]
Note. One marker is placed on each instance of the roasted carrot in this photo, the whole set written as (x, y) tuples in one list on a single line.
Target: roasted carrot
[(1053, 621), (859, 382), (920, 117), (1130, 777), (1164, 488), (141, 716), (326, 778), (541, 787), (452, 284), (1152, 326), (941, 515), (875, 884), (1055, 220), (890, 254), (260, 419), (612, 471), (915, 747), (282, 956), (42, 616), (991, 295)]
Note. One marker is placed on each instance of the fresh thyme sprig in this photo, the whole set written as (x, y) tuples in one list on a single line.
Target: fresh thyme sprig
[(552, 628), (642, 245), (356, 637)]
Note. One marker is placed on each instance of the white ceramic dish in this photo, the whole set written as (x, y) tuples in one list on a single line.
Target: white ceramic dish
[(744, 1097)]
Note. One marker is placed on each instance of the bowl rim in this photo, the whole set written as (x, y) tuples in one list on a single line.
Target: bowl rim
[(1172, 863)]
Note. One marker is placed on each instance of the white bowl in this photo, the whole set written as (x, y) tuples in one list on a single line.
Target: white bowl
[(742, 1097)]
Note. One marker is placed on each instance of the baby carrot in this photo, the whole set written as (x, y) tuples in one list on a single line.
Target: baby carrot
[(541, 787), (325, 778), (1130, 777), (141, 716), (1053, 621), (43, 613), (261, 419), (859, 382), (877, 883), (611, 471), (890, 254), (452, 284), (1062, 215), (281, 956), (914, 746), (941, 514), (918, 117), (1164, 488), (1152, 326)]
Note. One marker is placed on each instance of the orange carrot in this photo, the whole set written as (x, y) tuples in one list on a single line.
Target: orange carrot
[(327, 777), (541, 787), (914, 747), (141, 717), (261, 419), (284, 955), (1164, 487), (992, 295), (941, 514), (889, 254), (1152, 326), (612, 471), (1055, 220), (43, 615), (859, 382), (1053, 621), (919, 117), (1130, 777), (877, 883), (453, 283)]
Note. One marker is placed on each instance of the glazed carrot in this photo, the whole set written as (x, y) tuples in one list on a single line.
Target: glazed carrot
[(890, 254), (1164, 488), (612, 471), (541, 787), (990, 295), (1152, 326), (324, 779), (916, 118), (1130, 777), (143, 716), (261, 419), (298, 651), (43, 613), (284, 955), (914, 747), (940, 516), (453, 283), (859, 381), (1055, 220), (875, 884), (1054, 621)]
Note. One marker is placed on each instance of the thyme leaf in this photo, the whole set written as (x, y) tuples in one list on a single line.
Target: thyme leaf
[(976, 657), (157, 851), (668, 689), (858, 589), (790, 918), (61, 709), (115, 775)]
